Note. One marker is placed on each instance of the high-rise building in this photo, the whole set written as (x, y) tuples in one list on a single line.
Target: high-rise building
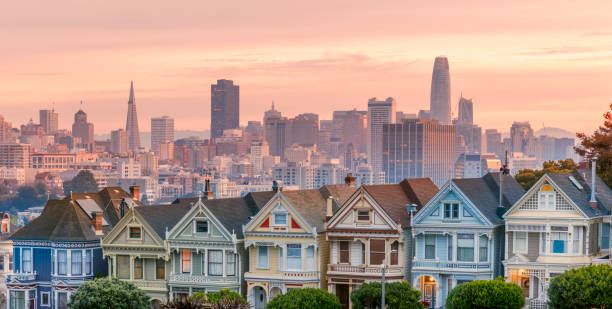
[(83, 130), (49, 121), (379, 114), (419, 148), (354, 131), (466, 111), (5, 130), (119, 141), (522, 138), (304, 130), (440, 106), (131, 126), (162, 130), (16, 155), (494, 142), (224, 107), (254, 128), (275, 131)]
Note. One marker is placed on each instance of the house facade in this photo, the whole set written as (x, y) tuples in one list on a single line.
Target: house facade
[(136, 248), (6, 251), (562, 222), (60, 250), (206, 246), (458, 235), (285, 243), (366, 233)]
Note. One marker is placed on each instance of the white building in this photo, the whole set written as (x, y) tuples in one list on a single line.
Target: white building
[(379, 113)]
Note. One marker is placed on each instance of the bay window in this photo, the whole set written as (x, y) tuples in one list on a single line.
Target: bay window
[(605, 235), (230, 264), (559, 242), (430, 247), (449, 244), (465, 247), (294, 257), (160, 269), (377, 251), (215, 262), (520, 242), (88, 265), (186, 260), (123, 266), (394, 253), (62, 262), (137, 268), (344, 251), (76, 257), (576, 239), (262, 257), (310, 258), (483, 252), (26, 260)]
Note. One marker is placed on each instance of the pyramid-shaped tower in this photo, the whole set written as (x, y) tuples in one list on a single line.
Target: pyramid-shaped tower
[(131, 126)]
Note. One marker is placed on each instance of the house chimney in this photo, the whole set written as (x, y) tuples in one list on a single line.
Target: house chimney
[(122, 207), (277, 186), (135, 192), (6, 223), (207, 192), (593, 200), (349, 180), (97, 222), (330, 210)]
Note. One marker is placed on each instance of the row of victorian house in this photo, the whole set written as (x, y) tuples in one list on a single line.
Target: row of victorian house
[(334, 238)]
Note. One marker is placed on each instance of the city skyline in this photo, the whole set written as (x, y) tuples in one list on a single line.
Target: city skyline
[(283, 60)]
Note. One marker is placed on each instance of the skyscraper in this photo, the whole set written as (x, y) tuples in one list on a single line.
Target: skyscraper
[(522, 138), (224, 107), (119, 141), (440, 106), (162, 130), (466, 111), (379, 113), (49, 121), (131, 126), (419, 148), (304, 130), (275, 131), (494, 142), (83, 130)]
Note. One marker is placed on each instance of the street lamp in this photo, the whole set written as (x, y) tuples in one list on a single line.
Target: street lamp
[(382, 302)]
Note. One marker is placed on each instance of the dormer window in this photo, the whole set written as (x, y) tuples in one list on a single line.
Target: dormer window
[(546, 198), (201, 226), (280, 219), (135, 232), (363, 215), (451, 211)]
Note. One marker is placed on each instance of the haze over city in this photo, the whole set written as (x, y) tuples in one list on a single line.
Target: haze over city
[(528, 62)]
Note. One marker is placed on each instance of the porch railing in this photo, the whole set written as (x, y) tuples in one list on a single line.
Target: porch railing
[(451, 265), (365, 269)]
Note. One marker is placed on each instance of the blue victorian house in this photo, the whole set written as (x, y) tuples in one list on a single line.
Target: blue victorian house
[(459, 235), (58, 251)]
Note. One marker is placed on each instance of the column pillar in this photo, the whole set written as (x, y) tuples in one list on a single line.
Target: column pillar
[(506, 235), (205, 259), (131, 267), (224, 264)]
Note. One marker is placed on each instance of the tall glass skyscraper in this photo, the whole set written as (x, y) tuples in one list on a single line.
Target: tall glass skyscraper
[(131, 125), (224, 107), (440, 106)]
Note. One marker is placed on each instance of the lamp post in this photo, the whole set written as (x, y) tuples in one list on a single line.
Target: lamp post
[(382, 302)]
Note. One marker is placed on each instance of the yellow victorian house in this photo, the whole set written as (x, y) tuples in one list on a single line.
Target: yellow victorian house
[(284, 241)]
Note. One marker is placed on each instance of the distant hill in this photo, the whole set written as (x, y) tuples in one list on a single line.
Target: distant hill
[(145, 137), (555, 132)]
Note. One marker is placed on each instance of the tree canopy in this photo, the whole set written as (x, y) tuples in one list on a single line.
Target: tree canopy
[(398, 295), (224, 299), (586, 287), (83, 182), (102, 293), (527, 177), (598, 146), (305, 298), (482, 294)]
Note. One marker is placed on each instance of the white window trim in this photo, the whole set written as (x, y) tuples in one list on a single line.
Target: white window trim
[(48, 299), (488, 241), (301, 258), (459, 210), (425, 247), (258, 264), (515, 248), (31, 260), (195, 227), (568, 243), (357, 210), (280, 213)]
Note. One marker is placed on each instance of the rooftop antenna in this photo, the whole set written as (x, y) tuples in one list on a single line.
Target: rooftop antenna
[(502, 171)]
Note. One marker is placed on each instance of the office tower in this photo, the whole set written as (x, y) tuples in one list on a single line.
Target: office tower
[(424, 114), (400, 116), (466, 111), (162, 130), (49, 121), (522, 138), (119, 141), (254, 128), (5, 130), (224, 107), (83, 130), (149, 164), (379, 114), (419, 148), (275, 131), (494, 142), (440, 106), (354, 131), (304, 130), (131, 126), (16, 155)]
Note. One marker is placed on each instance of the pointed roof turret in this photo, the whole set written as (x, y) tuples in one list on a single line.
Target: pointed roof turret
[(131, 100)]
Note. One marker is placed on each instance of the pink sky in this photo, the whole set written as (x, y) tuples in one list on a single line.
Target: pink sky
[(547, 62)]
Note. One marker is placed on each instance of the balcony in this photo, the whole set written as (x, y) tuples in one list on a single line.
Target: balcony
[(365, 270), (21, 277), (300, 275), (284, 275), (201, 279), (150, 284), (457, 266)]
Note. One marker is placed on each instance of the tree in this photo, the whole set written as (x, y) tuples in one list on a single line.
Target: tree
[(482, 294), (109, 293), (305, 298), (599, 147), (527, 177), (224, 299), (186, 302), (83, 182), (28, 196), (398, 295), (586, 287)]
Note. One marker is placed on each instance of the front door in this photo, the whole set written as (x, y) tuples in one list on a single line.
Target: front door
[(342, 291), (62, 300), (260, 297), (428, 294)]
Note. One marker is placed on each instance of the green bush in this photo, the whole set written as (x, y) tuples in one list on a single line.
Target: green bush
[(103, 293), (587, 287), (223, 299), (398, 295), (482, 294), (305, 298)]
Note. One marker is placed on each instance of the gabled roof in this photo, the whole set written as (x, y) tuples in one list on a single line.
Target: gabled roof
[(393, 198), (484, 193), (581, 197), (164, 217), (61, 220)]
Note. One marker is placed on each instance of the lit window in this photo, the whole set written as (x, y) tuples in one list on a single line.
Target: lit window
[(186, 259), (137, 268)]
